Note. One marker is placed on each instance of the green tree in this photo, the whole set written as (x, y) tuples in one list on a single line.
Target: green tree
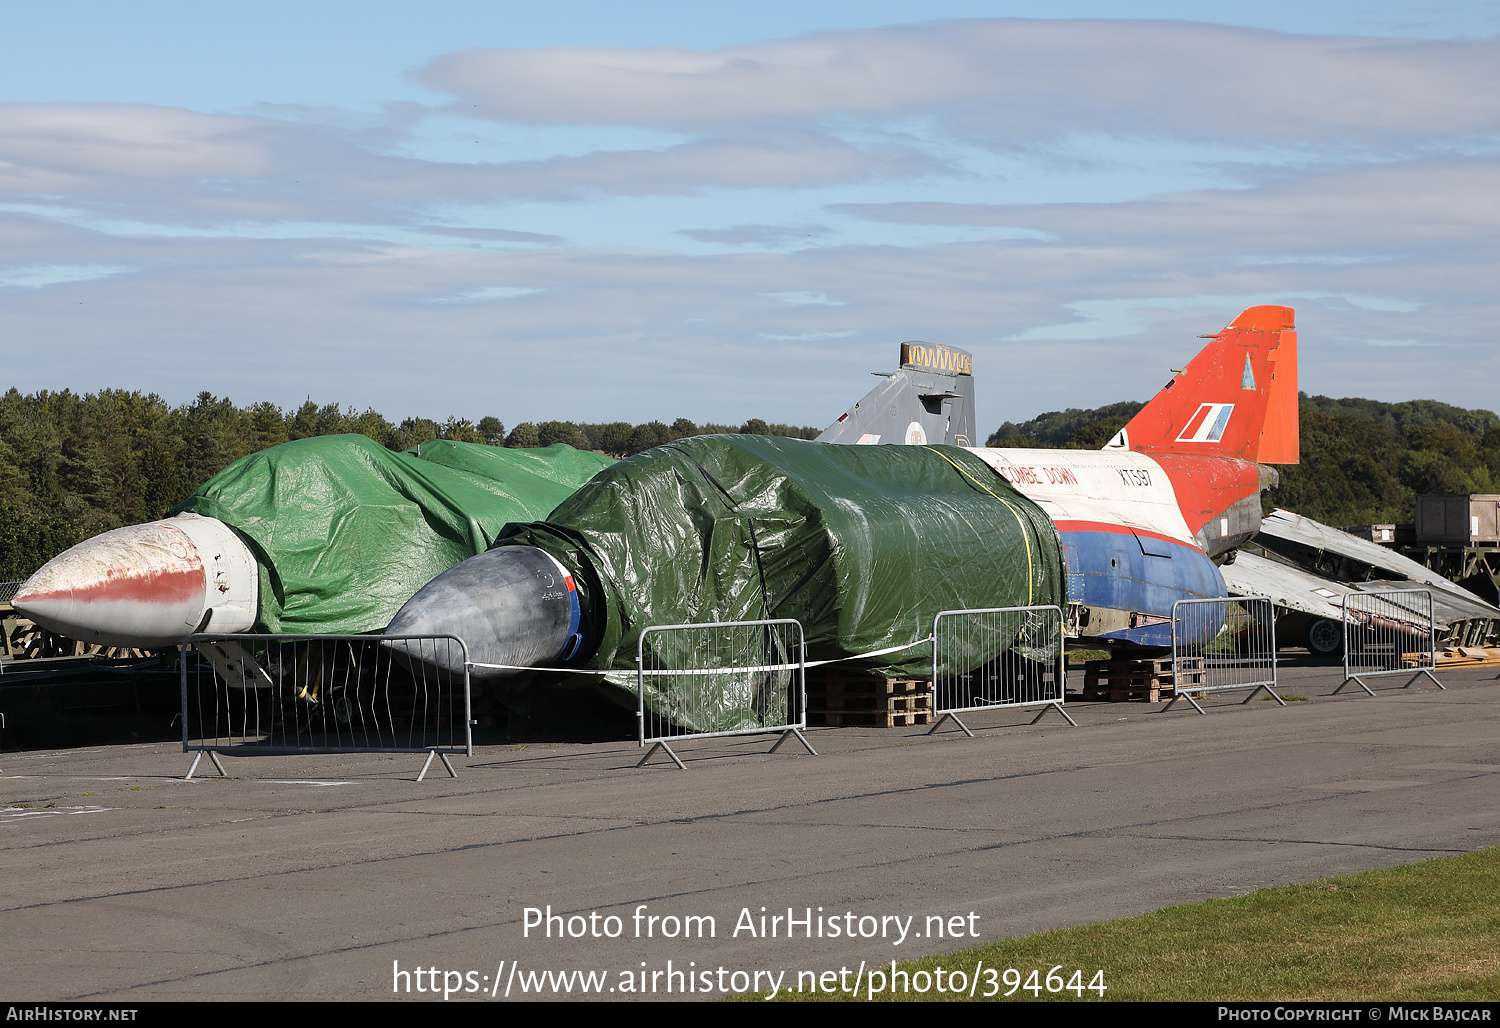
[(412, 432), (652, 433), (614, 438), (492, 431), (267, 425), (303, 424), (550, 432), (523, 435), (460, 430), (372, 425)]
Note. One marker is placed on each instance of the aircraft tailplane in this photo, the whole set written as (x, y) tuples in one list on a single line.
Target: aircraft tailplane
[(1237, 398)]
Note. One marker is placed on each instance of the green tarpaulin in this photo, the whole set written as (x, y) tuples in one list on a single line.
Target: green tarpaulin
[(862, 544), (346, 530)]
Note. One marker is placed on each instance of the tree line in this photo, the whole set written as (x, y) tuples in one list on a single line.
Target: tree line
[(73, 465)]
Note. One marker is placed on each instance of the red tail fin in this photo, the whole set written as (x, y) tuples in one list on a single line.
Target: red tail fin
[(1237, 398)]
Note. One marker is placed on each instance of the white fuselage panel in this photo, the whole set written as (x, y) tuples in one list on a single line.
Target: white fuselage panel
[(1078, 487)]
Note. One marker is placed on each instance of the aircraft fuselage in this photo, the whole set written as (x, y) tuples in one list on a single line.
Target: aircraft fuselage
[(1138, 530)]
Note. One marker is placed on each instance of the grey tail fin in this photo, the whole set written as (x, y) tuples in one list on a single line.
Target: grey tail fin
[(929, 399)]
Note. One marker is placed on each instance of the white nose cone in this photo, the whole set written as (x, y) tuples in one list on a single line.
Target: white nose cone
[(147, 585)]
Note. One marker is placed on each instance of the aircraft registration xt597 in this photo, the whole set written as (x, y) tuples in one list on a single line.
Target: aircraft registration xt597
[(1143, 519)]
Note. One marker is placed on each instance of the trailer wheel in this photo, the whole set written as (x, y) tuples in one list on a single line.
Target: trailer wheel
[(1325, 638)]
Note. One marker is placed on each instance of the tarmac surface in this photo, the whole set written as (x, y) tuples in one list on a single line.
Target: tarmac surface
[(324, 877)]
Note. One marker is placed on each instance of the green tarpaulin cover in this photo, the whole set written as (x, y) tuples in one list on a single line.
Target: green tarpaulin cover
[(346, 530), (862, 544)]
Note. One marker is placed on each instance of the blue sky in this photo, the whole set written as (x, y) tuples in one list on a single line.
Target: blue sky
[(604, 212)]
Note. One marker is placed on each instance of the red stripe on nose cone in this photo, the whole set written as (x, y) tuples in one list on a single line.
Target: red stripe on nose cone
[(158, 585), (139, 586)]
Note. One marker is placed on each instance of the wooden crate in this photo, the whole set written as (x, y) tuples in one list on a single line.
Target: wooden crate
[(868, 718), (837, 697), (1139, 681)]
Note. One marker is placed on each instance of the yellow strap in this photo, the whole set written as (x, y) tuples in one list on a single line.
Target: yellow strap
[(1025, 535)]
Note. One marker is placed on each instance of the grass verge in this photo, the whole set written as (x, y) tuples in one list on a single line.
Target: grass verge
[(1428, 931)]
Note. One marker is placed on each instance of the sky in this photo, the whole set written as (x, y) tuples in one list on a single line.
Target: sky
[(600, 212)]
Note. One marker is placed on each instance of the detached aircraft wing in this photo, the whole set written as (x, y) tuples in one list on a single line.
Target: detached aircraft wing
[(1344, 557), (1252, 574), (1319, 598)]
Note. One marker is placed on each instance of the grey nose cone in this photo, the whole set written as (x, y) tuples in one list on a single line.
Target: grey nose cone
[(513, 606)]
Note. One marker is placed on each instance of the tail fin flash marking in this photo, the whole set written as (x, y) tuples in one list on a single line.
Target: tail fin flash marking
[(1205, 409), (1207, 426)]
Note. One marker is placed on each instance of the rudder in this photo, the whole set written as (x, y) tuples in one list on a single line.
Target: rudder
[(1236, 398)]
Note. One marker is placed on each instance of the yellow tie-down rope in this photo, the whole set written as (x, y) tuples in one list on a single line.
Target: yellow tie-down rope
[(1025, 534)]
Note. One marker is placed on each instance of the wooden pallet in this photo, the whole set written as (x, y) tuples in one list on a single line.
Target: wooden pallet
[(868, 718), (1128, 694), (1146, 666), (1189, 678), (826, 678), (869, 687), (838, 697), (1139, 681), (914, 701)]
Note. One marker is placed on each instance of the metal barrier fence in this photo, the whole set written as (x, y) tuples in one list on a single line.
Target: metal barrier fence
[(1388, 632), (997, 657), (722, 678), (1223, 644), (246, 695)]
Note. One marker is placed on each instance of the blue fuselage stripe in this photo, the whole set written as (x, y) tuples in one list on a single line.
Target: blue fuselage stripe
[(1110, 570)]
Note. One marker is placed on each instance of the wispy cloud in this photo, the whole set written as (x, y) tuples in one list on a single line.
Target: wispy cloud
[(36, 276), (1020, 78), (757, 235), (487, 293), (804, 202), (804, 299)]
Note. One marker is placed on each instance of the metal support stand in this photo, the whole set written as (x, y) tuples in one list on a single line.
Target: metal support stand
[(1182, 696), (213, 756), (1418, 674), (800, 738), (786, 734), (1057, 707), (1257, 690), (662, 746), (1253, 693), (446, 763), (1356, 681), (948, 715)]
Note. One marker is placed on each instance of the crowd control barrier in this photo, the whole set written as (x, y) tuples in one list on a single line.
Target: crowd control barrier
[(1220, 644), (997, 657), (245, 695), (1388, 632), (721, 678)]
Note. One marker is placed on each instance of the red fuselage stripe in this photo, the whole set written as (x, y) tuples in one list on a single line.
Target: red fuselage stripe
[(1104, 526)]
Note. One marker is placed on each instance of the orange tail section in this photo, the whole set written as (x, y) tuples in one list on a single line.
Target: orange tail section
[(1237, 398)]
